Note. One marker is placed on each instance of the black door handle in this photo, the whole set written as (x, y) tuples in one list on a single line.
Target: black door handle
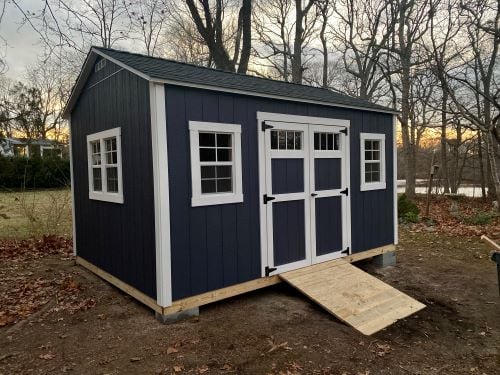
[(314, 194)]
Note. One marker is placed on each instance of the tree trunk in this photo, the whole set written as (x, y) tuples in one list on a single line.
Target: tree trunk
[(490, 153), (444, 157), (246, 10), (481, 164), (297, 44)]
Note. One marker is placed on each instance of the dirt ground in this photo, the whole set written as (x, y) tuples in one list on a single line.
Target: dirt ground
[(87, 326)]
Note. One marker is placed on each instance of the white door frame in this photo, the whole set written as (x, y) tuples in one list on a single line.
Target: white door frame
[(263, 170), (343, 154)]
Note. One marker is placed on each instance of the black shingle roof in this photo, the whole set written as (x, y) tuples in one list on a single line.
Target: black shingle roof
[(159, 68)]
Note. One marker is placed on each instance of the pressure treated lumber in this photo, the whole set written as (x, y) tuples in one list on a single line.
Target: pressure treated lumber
[(352, 295)]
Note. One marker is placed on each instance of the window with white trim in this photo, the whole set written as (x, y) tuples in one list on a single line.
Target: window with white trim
[(372, 161), (105, 166), (215, 163)]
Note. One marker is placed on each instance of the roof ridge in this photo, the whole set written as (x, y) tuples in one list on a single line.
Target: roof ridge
[(232, 73)]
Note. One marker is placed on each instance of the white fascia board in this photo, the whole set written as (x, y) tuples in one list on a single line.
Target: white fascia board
[(161, 194)]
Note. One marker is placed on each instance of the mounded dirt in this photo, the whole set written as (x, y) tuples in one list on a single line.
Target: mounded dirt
[(89, 327)]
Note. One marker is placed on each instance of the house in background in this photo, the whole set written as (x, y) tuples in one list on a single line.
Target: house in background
[(192, 184), (23, 147)]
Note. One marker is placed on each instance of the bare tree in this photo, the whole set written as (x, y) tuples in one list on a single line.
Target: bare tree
[(148, 20), (362, 34), (325, 10), (405, 55), (476, 74), (209, 21), (304, 24)]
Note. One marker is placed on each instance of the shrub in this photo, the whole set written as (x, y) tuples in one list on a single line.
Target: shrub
[(22, 173), (410, 217), (406, 206), (481, 218)]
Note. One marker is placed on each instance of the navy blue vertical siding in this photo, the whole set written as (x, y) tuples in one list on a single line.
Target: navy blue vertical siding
[(118, 238), (218, 246)]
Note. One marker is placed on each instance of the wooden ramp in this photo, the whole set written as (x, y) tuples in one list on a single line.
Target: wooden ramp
[(352, 295)]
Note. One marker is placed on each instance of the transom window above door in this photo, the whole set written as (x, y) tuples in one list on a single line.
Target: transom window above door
[(326, 141), (104, 164), (286, 140), (215, 163), (372, 161)]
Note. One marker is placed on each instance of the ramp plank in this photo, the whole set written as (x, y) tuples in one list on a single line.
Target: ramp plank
[(352, 295)]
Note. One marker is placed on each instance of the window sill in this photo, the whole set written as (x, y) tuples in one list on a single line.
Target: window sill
[(106, 197), (373, 186), (214, 199)]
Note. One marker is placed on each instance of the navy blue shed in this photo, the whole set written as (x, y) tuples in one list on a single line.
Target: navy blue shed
[(192, 184)]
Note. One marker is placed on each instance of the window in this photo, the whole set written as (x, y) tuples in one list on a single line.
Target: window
[(326, 141), (372, 161), (105, 169), (215, 163), (286, 140)]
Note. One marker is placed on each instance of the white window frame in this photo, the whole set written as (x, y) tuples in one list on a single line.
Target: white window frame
[(104, 195), (199, 199), (366, 186)]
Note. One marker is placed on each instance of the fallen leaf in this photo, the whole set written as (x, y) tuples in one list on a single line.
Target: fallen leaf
[(178, 368), (47, 356), (171, 350), (135, 359), (202, 369)]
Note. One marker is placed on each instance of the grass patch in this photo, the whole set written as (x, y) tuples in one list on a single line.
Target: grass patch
[(35, 213)]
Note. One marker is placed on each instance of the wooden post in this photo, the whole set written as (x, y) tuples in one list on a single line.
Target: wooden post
[(429, 184)]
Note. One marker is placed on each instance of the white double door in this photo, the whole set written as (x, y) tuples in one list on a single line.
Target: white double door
[(306, 194)]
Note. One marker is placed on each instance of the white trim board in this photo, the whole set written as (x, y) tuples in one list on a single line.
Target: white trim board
[(281, 117), (92, 57), (395, 175), (73, 215), (161, 194)]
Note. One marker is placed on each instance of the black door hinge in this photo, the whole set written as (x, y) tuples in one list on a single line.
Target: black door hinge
[(346, 251), (345, 191), (269, 270), (267, 198), (344, 131), (265, 126)]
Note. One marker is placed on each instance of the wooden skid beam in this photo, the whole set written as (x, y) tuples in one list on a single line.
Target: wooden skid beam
[(219, 294), (130, 290)]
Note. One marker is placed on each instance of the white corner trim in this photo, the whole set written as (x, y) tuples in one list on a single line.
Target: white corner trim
[(73, 215), (367, 186), (395, 175), (199, 199), (161, 194), (267, 116)]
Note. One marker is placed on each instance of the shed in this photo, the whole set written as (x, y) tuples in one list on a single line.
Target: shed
[(192, 184)]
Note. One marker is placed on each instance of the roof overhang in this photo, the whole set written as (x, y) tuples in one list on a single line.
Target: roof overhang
[(94, 54)]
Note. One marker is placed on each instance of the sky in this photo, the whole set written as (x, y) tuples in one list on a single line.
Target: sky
[(23, 45)]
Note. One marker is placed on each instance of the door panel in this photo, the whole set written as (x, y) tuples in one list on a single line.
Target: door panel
[(328, 180), (287, 175), (289, 241), (328, 225), (287, 184), (327, 173)]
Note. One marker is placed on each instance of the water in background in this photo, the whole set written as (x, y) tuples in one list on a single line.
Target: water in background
[(467, 190)]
